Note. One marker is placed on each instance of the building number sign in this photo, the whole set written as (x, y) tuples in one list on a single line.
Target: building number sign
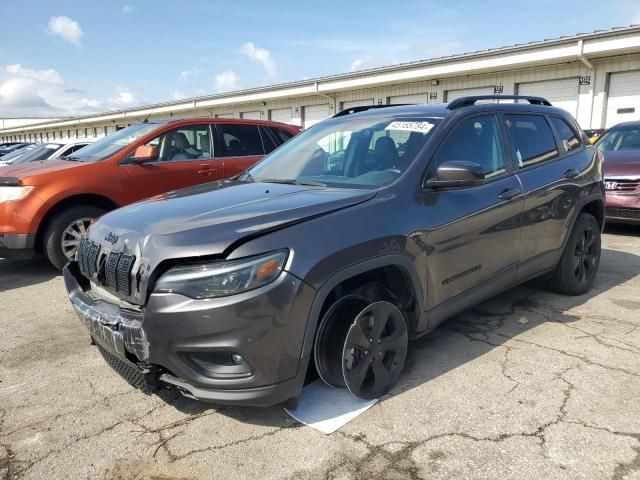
[(584, 80)]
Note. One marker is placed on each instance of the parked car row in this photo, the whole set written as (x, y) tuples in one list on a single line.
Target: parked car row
[(238, 273), (33, 152)]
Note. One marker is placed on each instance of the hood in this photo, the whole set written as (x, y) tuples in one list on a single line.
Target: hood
[(30, 169), (626, 163), (211, 219)]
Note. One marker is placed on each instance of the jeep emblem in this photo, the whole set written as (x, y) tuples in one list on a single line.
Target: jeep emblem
[(111, 238)]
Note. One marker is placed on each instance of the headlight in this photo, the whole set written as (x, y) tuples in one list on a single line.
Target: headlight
[(10, 194), (223, 278)]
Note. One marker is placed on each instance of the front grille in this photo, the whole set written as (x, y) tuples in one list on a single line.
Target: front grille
[(87, 257), (630, 213), (621, 185), (146, 382), (114, 272)]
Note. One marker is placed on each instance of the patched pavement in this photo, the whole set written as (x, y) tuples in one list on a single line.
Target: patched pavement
[(528, 385)]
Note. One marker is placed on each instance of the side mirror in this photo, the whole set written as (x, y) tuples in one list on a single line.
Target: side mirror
[(144, 153), (457, 174)]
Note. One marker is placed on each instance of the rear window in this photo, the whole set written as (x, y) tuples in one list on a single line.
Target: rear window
[(282, 134), (240, 140), (566, 134), (532, 139)]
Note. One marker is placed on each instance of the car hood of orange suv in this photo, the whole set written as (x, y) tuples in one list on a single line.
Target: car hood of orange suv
[(32, 169)]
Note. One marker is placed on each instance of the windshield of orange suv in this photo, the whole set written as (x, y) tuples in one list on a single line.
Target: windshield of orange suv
[(347, 152), (107, 146)]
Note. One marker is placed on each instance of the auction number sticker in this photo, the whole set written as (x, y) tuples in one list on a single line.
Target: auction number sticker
[(420, 127)]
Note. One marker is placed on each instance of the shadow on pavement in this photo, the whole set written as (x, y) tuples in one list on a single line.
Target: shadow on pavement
[(23, 273)]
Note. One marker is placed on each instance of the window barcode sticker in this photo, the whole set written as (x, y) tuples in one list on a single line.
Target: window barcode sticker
[(421, 127)]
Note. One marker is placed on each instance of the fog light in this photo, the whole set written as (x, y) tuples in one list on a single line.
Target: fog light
[(238, 360)]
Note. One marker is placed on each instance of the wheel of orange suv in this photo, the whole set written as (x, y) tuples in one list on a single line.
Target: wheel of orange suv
[(64, 231)]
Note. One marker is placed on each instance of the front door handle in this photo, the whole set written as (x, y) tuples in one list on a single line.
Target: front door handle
[(510, 193), (571, 173)]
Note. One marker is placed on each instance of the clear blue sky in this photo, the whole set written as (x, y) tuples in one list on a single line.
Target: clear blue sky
[(66, 57)]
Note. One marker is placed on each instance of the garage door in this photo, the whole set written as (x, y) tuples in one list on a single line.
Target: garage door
[(357, 103), (467, 92), (561, 93), (623, 103), (413, 98), (251, 115), (281, 115), (314, 114)]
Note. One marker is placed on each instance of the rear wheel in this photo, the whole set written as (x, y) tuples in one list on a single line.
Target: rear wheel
[(576, 271), (66, 228)]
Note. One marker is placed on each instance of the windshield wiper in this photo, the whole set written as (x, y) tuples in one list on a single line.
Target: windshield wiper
[(292, 181), (70, 159)]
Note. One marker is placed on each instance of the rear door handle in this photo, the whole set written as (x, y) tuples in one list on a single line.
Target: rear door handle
[(205, 169), (571, 173), (510, 193)]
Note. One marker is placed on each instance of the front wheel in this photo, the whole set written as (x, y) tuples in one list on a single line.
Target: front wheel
[(577, 268), (62, 237)]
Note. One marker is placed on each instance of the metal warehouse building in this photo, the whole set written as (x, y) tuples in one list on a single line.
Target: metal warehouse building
[(595, 76)]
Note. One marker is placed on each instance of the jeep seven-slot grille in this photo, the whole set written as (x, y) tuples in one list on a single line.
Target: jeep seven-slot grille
[(114, 271)]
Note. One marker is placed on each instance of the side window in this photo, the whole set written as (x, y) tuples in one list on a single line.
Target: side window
[(268, 142), (240, 140), (532, 139), (281, 134), (77, 147), (566, 134), (192, 142), (477, 140)]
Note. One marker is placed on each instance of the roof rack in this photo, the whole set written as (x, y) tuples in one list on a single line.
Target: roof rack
[(364, 108), (469, 101)]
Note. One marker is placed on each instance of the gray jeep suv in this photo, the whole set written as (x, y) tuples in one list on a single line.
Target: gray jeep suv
[(365, 231)]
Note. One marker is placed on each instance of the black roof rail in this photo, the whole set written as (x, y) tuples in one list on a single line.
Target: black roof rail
[(364, 108), (469, 101)]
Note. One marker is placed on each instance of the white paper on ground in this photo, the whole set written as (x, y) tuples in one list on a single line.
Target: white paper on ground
[(326, 408)]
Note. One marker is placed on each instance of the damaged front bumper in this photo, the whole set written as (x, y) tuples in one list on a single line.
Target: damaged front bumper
[(164, 342)]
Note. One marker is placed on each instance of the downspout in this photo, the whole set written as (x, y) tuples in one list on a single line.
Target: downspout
[(581, 56), (333, 100)]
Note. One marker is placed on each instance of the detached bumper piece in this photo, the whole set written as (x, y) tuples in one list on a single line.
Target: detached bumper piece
[(145, 380)]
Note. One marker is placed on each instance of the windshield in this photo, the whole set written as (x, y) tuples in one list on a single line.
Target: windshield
[(347, 152), (10, 157), (32, 154), (107, 146), (620, 139)]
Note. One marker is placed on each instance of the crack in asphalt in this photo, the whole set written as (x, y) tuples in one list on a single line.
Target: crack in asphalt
[(32, 463)]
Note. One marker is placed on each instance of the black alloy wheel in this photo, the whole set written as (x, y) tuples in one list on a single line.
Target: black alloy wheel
[(375, 350)]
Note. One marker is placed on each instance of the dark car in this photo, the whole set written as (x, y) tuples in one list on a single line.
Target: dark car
[(621, 149), (365, 231)]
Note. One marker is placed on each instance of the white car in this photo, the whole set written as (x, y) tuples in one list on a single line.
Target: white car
[(44, 151)]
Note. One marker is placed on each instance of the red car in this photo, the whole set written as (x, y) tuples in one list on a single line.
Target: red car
[(46, 206), (621, 149)]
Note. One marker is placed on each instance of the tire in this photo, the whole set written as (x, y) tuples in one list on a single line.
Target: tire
[(578, 266), (60, 225)]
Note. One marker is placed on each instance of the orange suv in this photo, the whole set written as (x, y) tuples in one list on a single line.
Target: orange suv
[(46, 206)]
